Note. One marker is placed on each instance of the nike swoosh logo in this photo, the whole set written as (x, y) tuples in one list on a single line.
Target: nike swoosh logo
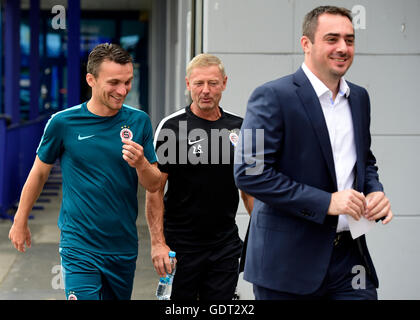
[(194, 142), (85, 137)]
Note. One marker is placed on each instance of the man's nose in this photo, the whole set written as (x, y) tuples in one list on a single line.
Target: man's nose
[(206, 88), (122, 90), (342, 46)]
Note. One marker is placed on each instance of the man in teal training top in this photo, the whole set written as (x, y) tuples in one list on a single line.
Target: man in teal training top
[(105, 149)]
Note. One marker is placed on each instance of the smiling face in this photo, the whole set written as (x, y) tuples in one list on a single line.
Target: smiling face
[(110, 87), (332, 51)]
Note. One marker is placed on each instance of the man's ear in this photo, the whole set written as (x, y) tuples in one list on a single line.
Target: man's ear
[(90, 79), (306, 44), (187, 83), (224, 82)]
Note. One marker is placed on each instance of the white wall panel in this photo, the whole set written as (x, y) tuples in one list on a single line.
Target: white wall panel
[(393, 85), (395, 254), (241, 26), (398, 162)]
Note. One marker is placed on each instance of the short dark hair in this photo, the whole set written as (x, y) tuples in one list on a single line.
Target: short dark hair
[(106, 52), (310, 23)]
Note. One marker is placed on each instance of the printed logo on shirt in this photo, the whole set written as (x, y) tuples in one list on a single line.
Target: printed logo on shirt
[(126, 133), (194, 142), (72, 296), (197, 149), (234, 136), (84, 137)]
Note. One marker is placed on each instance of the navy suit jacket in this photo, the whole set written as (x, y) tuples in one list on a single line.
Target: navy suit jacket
[(291, 236)]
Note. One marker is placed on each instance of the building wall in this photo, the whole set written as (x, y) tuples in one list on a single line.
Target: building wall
[(259, 41)]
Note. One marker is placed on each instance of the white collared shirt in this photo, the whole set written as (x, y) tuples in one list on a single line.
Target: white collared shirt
[(339, 122)]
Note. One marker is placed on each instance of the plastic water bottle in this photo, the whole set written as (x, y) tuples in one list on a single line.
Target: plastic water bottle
[(164, 288)]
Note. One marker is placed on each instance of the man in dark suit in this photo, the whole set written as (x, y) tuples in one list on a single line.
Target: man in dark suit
[(311, 171)]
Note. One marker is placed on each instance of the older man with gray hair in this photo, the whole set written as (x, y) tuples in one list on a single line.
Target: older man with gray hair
[(196, 216)]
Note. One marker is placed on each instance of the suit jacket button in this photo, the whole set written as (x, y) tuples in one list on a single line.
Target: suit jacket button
[(304, 212)]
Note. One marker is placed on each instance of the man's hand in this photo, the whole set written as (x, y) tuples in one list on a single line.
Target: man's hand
[(133, 153), (160, 258), (378, 206), (348, 202), (19, 235)]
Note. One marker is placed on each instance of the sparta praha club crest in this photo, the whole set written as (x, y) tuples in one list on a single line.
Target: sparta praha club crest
[(126, 133)]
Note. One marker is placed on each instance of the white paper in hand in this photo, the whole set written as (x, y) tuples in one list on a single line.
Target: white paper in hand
[(358, 228)]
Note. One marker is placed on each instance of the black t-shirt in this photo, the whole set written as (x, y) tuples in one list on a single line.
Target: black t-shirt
[(201, 198)]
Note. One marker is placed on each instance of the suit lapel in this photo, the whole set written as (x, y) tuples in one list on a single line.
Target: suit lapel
[(354, 103), (313, 109)]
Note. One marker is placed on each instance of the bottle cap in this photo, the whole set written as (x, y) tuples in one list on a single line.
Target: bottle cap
[(172, 254)]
